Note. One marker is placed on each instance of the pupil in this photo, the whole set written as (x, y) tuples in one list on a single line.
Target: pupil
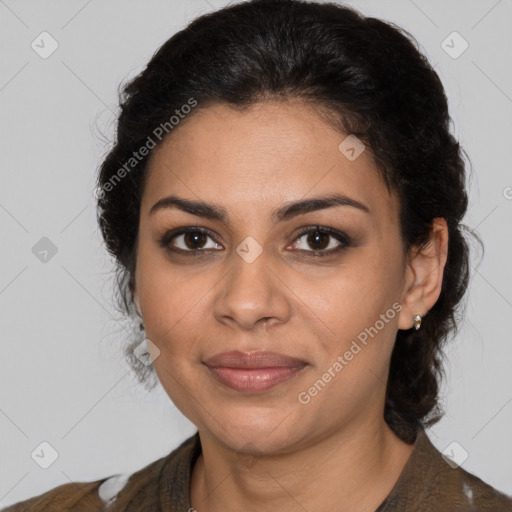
[(196, 239), (313, 239)]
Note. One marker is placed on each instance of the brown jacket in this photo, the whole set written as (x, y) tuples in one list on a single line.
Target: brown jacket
[(427, 484)]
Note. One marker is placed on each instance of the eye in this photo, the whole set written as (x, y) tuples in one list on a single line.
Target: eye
[(189, 240), (318, 238), (192, 241)]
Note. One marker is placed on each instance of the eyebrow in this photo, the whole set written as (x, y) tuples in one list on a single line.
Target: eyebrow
[(289, 210)]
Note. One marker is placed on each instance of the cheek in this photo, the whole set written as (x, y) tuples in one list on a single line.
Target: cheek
[(355, 295), (358, 309), (171, 301)]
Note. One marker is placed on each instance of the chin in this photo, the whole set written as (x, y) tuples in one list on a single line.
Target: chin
[(255, 431)]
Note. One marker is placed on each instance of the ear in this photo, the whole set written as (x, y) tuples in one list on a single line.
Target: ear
[(424, 275)]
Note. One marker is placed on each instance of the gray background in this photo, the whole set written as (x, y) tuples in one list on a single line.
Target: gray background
[(63, 380)]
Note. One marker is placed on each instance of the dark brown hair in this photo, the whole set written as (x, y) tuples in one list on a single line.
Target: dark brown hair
[(366, 75)]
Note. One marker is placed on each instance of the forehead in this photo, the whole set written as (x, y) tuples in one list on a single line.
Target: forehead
[(267, 155)]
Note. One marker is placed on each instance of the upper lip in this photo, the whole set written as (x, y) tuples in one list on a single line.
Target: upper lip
[(261, 359)]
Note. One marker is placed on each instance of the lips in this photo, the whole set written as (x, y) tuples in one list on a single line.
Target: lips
[(236, 359), (252, 372)]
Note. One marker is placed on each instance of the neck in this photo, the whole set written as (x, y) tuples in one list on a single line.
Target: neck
[(351, 470)]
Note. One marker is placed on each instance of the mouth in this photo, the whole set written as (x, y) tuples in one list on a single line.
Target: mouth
[(253, 372)]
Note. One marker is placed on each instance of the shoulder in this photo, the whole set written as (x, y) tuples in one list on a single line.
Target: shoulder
[(432, 481), (468, 492), (81, 496), (162, 485), (121, 491), (101, 495)]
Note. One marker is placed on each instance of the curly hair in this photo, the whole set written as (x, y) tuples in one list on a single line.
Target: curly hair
[(366, 77)]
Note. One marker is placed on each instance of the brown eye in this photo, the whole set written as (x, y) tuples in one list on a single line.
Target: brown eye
[(194, 239), (188, 240), (318, 240), (322, 241)]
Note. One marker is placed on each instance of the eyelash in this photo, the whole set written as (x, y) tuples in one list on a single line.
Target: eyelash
[(341, 237)]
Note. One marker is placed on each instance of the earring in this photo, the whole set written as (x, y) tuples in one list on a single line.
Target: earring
[(417, 321)]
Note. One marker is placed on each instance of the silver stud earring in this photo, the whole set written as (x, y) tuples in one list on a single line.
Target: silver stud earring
[(417, 321)]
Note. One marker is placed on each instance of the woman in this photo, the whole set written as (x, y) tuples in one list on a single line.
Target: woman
[(284, 201)]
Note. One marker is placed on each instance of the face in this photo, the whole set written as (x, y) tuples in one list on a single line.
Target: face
[(321, 286)]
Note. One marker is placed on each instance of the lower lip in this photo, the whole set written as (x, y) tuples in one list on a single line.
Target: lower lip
[(253, 380)]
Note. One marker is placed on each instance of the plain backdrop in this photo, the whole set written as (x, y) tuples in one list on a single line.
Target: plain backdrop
[(63, 380)]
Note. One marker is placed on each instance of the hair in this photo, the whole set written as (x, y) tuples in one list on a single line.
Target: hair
[(366, 77)]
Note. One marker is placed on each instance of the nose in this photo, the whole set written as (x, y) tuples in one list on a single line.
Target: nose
[(252, 294)]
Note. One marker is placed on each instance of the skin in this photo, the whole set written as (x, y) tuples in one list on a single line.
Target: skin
[(269, 451)]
